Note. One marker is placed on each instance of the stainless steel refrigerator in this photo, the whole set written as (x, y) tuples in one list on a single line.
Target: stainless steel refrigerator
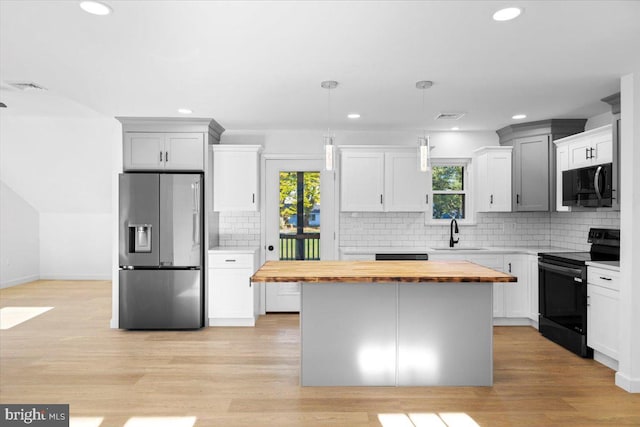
[(161, 257)]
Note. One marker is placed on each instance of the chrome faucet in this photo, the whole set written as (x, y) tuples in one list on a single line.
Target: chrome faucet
[(454, 223)]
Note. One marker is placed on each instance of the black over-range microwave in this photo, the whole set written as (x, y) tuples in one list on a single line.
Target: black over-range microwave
[(588, 187)]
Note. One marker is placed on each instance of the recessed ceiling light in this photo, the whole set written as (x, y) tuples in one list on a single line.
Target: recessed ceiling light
[(455, 128), (507, 14), (519, 116), (95, 8), (184, 111), (353, 115)]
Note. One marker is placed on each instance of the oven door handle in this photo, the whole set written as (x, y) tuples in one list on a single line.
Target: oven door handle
[(567, 271)]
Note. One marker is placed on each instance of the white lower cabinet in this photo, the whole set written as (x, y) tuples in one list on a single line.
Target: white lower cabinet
[(516, 295), (532, 261), (232, 299), (603, 300), (511, 305)]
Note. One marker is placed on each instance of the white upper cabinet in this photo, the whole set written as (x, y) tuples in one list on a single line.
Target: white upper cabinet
[(235, 177), (405, 186), (589, 148), (562, 164), (377, 180), (163, 151), (492, 167), (361, 181)]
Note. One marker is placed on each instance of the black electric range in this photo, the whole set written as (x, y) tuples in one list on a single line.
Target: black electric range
[(562, 289)]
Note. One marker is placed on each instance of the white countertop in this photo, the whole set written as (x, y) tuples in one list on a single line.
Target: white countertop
[(531, 250), (607, 265)]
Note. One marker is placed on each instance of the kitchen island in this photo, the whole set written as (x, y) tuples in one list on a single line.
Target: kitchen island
[(392, 323)]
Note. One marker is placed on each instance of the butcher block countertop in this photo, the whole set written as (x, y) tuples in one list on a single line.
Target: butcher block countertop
[(377, 271)]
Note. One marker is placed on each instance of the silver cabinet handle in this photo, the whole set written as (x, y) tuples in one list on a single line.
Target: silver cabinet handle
[(509, 267), (229, 260), (161, 157), (253, 197), (491, 199), (381, 199), (586, 153), (166, 156), (426, 199)]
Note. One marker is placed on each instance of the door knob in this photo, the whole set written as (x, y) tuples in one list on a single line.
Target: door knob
[(270, 247)]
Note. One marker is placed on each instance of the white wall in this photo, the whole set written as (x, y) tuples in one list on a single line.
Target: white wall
[(446, 144), (75, 246), (19, 228), (628, 375), (62, 166)]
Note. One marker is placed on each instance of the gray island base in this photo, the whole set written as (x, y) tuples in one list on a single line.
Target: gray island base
[(396, 334)]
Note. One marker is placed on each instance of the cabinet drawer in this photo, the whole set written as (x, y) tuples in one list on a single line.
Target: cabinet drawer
[(606, 278), (231, 260)]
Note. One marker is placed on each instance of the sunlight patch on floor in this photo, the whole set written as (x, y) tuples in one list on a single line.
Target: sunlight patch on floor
[(12, 316), (161, 422), (85, 421), (443, 419)]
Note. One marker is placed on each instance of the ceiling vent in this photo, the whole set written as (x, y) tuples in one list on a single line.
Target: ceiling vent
[(449, 116), (26, 86)]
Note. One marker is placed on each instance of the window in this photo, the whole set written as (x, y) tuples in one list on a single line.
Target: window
[(450, 188)]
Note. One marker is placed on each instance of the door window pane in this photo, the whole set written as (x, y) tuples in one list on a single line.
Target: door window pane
[(299, 216)]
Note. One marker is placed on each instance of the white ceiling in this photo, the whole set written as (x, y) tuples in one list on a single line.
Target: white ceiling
[(258, 65)]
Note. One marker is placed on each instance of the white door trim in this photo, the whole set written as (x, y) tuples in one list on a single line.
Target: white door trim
[(332, 206)]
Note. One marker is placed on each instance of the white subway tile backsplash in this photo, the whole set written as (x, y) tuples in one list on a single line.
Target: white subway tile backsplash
[(561, 229), (239, 229)]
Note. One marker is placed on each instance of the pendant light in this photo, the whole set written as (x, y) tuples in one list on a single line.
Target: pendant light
[(329, 147), (424, 147)]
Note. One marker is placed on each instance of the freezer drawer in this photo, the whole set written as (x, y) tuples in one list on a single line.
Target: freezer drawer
[(161, 299)]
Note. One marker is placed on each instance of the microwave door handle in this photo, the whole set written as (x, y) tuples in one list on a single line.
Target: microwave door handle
[(596, 183)]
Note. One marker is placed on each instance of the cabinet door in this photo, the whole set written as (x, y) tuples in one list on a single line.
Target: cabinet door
[(602, 320), (184, 151), (580, 153), (405, 185), (361, 181), (531, 174), (481, 185), (143, 151), (230, 295), (499, 181), (516, 295), (562, 164), (235, 180), (602, 143), (533, 287)]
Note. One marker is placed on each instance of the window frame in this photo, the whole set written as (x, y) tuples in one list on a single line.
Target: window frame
[(467, 191)]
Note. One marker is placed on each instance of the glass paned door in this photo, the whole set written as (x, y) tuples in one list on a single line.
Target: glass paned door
[(299, 216)]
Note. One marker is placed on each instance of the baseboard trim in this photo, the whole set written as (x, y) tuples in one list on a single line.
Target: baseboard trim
[(72, 277), (511, 321), (632, 385), (19, 281), (607, 361), (250, 322)]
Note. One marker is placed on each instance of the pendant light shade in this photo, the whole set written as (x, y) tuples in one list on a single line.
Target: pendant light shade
[(329, 147), (423, 154), (424, 147)]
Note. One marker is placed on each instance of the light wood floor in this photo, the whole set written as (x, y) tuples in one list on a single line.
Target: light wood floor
[(249, 376)]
